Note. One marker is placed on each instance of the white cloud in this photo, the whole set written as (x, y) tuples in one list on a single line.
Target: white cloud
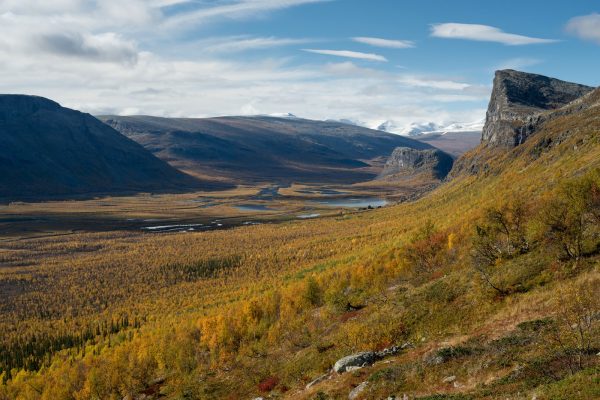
[(234, 44), (236, 9), (378, 42), (483, 33), (586, 27), (349, 54), (433, 83)]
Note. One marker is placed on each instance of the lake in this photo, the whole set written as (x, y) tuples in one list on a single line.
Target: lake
[(354, 202)]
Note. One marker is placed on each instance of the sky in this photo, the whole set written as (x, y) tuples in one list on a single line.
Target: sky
[(402, 62)]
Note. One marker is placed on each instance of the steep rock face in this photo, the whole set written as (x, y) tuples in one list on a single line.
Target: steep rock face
[(407, 162), (47, 150), (516, 102)]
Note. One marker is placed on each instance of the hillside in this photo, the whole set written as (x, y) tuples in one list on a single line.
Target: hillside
[(47, 150), (486, 288), (265, 149)]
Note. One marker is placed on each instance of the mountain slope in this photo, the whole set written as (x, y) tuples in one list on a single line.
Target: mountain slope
[(284, 150), (47, 150)]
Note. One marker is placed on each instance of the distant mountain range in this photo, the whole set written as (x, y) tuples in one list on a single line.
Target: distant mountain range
[(265, 148), (454, 139), (417, 129), (47, 150)]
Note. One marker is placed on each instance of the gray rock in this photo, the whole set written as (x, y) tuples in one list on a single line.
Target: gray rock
[(406, 162), (518, 99), (360, 360), (357, 391), (392, 351), (355, 360), (449, 379)]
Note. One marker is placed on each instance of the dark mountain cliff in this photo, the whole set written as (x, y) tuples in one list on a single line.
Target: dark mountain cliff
[(517, 97), (521, 106)]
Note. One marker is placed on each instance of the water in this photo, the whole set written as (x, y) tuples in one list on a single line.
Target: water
[(356, 202), (268, 193), (322, 192), (173, 228), (308, 216), (252, 207)]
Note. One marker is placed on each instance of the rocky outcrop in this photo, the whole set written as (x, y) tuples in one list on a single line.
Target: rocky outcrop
[(366, 358), (521, 105), (518, 99), (406, 162), (355, 360)]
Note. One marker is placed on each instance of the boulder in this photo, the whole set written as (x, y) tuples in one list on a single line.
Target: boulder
[(355, 360), (360, 360)]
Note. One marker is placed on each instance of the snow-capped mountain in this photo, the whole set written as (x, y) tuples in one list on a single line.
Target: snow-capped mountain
[(280, 115), (417, 129)]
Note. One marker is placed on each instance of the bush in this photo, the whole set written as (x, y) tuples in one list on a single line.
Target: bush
[(571, 220), (428, 250), (268, 384), (576, 333), (501, 235), (448, 353)]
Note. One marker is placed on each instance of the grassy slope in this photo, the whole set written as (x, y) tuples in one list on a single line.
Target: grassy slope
[(205, 336)]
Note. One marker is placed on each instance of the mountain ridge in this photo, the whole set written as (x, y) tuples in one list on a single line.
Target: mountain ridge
[(517, 97), (263, 148), (512, 120)]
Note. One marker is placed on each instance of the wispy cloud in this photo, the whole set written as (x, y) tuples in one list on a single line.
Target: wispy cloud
[(349, 54), (483, 33), (432, 83), (236, 9), (234, 44), (585, 27), (378, 42)]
